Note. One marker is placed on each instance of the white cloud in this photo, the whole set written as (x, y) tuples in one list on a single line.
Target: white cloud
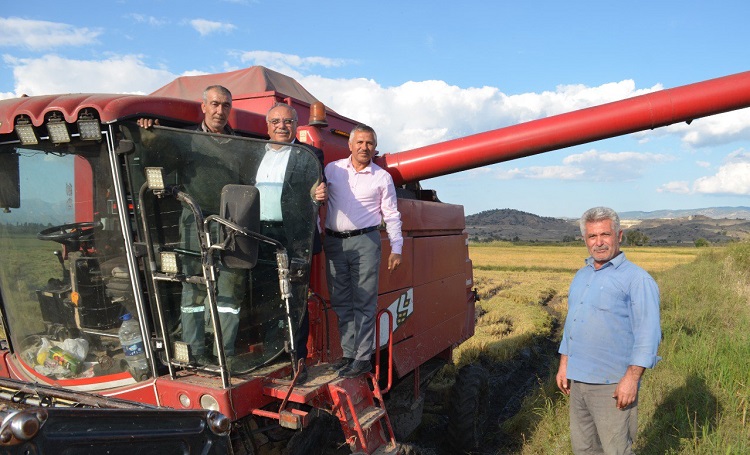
[(681, 187), (206, 27), (446, 111), (709, 131), (54, 74), (733, 177), (290, 64), (406, 116), (150, 20), (597, 166), (556, 172), (703, 163), (43, 35), (592, 165)]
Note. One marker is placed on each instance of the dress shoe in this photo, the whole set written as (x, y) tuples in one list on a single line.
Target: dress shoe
[(202, 360), (356, 368), (302, 375), (339, 365)]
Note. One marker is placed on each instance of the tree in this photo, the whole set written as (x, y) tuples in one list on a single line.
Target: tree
[(701, 242), (635, 237)]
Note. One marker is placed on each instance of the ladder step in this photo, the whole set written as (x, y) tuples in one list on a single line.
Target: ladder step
[(369, 416)]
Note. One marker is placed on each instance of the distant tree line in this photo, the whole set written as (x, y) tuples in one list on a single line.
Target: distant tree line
[(24, 228)]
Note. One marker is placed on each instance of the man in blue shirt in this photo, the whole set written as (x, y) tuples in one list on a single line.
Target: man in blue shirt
[(611, 335)]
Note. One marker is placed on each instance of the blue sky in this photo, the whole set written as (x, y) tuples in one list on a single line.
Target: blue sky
[(422, 72)]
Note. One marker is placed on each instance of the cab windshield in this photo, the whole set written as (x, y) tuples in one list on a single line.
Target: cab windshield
[(253, 319), (71, 233), (64, 287)]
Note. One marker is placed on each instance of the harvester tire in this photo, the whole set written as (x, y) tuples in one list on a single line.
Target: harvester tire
[(311, 440), (467, 408)]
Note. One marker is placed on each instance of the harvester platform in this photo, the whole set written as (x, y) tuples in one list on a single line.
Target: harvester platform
[(356, 402)]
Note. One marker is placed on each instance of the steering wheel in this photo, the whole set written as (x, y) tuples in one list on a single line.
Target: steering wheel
[(71, 233)]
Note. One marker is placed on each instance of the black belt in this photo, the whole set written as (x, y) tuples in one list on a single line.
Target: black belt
[(347, 234)]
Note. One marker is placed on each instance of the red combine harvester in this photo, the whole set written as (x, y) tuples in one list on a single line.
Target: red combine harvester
[(107, 225)]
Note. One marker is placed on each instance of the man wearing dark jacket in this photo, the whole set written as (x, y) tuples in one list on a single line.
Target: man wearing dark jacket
[(275, 172)]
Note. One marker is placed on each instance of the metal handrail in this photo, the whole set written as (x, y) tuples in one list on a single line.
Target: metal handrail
[(390, 349)]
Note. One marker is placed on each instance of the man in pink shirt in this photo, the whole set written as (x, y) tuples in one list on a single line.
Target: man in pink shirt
[(361, 196)]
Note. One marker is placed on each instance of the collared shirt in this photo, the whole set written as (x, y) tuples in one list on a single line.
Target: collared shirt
[(612, 322), (227, 130), (270, 181), (360, 199)]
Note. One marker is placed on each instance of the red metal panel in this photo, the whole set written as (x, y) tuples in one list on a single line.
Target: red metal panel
[(433, 304), (643, 112), (427, 215), (439, 257), (236, 402), (4, 372), (84, 191), (115, 107), (414, 351), (402, 277)]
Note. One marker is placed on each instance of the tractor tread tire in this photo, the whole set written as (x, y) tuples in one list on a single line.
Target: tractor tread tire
[(467, 408)]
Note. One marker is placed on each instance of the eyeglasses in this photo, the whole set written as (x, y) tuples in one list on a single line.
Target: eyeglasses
[(287, 121)]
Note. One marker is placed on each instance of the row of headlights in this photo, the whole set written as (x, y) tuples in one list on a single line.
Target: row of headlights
[(89, 128)]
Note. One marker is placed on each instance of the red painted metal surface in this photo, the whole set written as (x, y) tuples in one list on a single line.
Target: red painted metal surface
[(639, 113), (114, 107)]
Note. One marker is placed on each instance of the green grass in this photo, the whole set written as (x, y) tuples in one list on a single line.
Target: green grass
[(32, 265), (696, 400)]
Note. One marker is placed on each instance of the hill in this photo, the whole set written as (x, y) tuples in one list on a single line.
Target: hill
[(515, 225), (710, 212)]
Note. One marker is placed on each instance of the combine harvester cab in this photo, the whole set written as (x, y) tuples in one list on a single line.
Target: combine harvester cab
[(105, 225)]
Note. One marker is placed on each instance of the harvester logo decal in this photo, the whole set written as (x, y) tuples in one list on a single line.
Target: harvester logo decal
[(401, 309)]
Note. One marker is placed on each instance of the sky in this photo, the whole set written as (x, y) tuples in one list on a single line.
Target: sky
[(422, 72)]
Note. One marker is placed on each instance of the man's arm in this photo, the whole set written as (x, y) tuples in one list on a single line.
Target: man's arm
[(644, 298), (562, 375), (394, 260), (627, 389)]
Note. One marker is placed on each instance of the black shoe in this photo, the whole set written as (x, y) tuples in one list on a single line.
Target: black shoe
[(203, 360), (339, 365), (356, 368), (302, 375)]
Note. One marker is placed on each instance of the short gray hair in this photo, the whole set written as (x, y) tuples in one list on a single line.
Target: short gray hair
[(219, 88), (275, 105), (596, 214), (364, 129)]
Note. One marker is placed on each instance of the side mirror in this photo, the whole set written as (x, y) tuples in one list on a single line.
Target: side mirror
[(10, 182), (240, 204)]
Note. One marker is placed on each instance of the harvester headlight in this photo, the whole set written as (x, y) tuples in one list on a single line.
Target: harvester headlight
[(209, 402), (181, 352), (169, 262), (155, 178), (57, 128), (25, 131), (184, 400), (89, 127)]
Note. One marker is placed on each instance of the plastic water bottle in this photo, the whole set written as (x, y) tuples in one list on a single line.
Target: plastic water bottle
[(132, 345)]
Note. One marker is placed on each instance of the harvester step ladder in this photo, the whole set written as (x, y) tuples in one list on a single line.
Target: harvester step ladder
[(359, 406)]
